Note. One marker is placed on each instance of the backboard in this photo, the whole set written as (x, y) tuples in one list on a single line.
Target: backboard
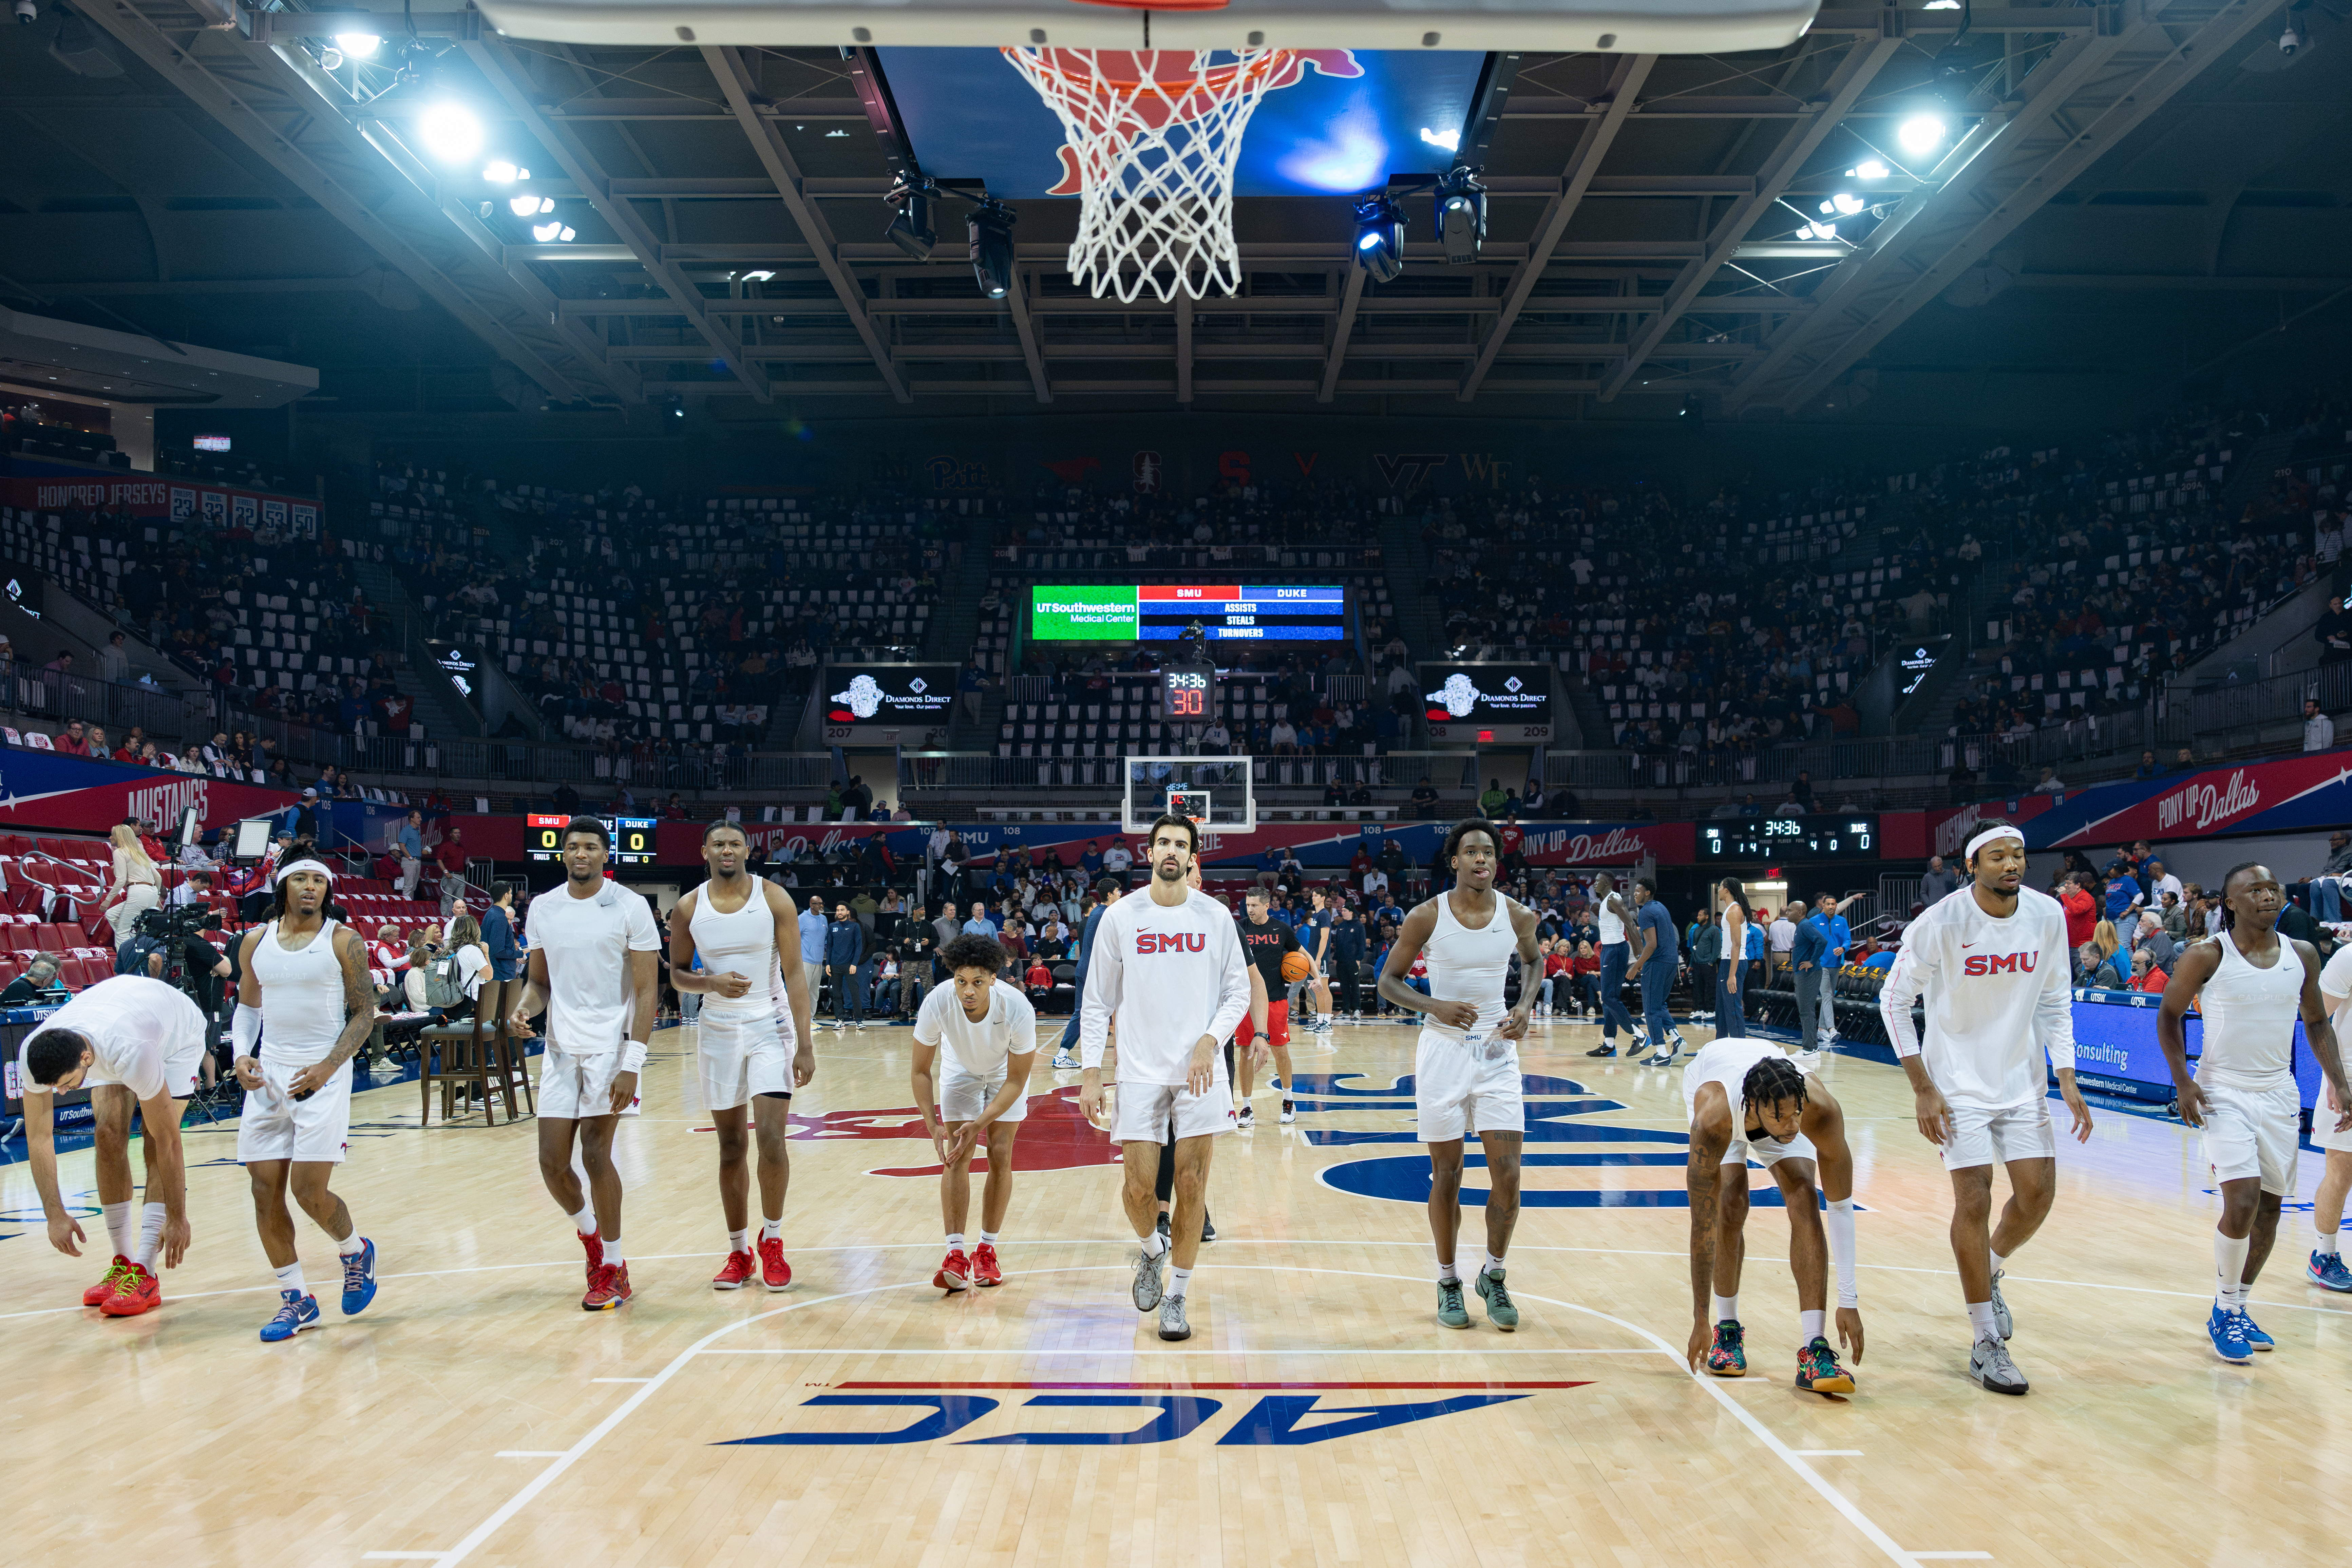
[(1216, 793), (1623, 27)]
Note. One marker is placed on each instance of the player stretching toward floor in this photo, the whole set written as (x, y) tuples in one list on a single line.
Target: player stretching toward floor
[(989, 1031), (1167, 966), (752, 1053), (594, 969), (135, 1043), (2249, 982), (1748, 1101), (304, 1009), (1466, 1066), (1994, 964)]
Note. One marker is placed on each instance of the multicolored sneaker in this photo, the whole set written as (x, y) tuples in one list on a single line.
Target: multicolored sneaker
[(2255, 1339), (2327, 1272), (775, 1272), (136, 1292), (1818, 1371), (297, 1311), (735, 1271), (1451, 1311), (1499, 1309), (608, 1288), (358, 1279), (1246, 1117), (96, 1294), (593, 1245), (2229, 1340), (1727, 1357), (985, 1271), (954, 1273), (1289, 1112)]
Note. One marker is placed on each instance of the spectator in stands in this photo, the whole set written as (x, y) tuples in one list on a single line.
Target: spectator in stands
[(2105, 968), (2318, 729), (978, 923), (1491, 803), (2147, 973), (39, 976), (499, 933), (2158, 881), (1424, 801), (409, 841), (2082, 912), (1940, 880), (2324, 892), (73, 741), (136, 885), (2049, 783), (2148, 767), (1117, 860), (451, 857), (2175, 915), (2150, 938), (675, 808), (566, 800)]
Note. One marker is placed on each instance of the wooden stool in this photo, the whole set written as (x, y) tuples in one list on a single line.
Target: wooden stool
[(470, 1055)]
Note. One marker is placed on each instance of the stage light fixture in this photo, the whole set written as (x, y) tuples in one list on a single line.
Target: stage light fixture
[(330, 59), (498, 172), (358, 45), (451, 132), (1380, 239), (1922, 134), (1847, 204), (1869, 169), (912, 229), (990, 231), (1461, 203)]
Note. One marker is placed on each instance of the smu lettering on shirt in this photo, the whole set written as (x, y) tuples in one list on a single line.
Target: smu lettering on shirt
[(1168, 975), (1998, 996)]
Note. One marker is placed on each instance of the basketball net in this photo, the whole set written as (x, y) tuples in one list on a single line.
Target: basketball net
[(1151, 138)]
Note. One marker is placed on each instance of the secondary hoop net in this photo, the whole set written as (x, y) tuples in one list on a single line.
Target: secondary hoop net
[(1151, 138)]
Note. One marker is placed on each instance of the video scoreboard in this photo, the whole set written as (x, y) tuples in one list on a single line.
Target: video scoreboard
[(632, 838), (1161, 612)]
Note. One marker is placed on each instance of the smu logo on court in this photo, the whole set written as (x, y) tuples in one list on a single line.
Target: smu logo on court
[(1999, 964), (1285, 1419), (1170, 941)]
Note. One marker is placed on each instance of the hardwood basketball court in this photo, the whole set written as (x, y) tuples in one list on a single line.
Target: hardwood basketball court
[(1320, 1414)]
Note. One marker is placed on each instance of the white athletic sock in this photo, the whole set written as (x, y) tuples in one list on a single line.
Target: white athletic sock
[(151, 1235), (585, 1222), (771, 1229), (290, 1278), (955, 1241), (352, 1244), (1999, 1262), (118, 1227), (2326, 1242), (613, 1251), (1726, 1309), (1810, 1326), (1980, 1319), (1494, 1264), (1445, 1271), (2229, 1267), (1154, 1243), (1180, 1277), (988, 1238), (738, 1241)]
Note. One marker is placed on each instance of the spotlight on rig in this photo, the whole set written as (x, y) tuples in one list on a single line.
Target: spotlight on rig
[(990, 229), (912, 230), (1461, 215), (1380, 239)]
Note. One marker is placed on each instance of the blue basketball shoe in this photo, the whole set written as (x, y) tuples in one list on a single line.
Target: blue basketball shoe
[(358, 1279), (2229, 1340), (2327, 1272), (299, 1311)]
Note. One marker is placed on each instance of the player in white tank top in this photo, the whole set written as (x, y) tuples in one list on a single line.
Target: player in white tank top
[(1466, 1066), (304, 1006), (750, 1054), (1615, 955), (2250, 983)]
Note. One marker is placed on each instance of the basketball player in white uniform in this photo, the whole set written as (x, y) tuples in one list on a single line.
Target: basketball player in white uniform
[(304, 1006), (1997, 972), (1167, 968), (2249, 982), (135, 1043), (1466, 1067), (2332, 1131), (987, 1031), (593, 971), (1609, 911), (1748, 1101), (751, 1052)]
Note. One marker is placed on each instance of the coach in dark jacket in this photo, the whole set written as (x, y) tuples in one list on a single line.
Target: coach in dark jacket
[(844, 944), (499, 934), (1808, 961)]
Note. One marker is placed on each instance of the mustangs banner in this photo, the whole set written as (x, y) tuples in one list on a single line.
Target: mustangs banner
[(49, 789), (2310, 790)]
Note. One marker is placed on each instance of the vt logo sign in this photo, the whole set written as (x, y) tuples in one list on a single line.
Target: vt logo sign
[(1292, 1417)]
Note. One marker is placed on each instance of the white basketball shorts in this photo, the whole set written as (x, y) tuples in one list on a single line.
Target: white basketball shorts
[(965, 1095), (1147, 1110), (1996, 1134), (740, 1057), (2254, 1132), (276, 1126), (1459, 1089)]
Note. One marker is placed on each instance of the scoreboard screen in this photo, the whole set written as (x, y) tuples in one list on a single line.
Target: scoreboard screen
[(1792, 839), (632, 838), (1161, 612)]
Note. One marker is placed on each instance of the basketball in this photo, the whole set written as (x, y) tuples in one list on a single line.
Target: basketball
[(1296, 967)]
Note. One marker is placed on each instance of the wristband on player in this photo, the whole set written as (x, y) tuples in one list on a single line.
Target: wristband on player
[(1838, 1225), (632, 1055)]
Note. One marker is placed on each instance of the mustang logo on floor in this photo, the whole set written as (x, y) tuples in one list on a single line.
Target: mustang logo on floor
[(1055, 1137)]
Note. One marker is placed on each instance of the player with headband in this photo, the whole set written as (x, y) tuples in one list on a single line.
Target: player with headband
[(1994, 967)]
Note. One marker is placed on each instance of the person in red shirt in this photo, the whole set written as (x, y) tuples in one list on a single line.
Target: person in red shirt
[(2145, 976), (2082, 921), (1584, 974), (450, 855), (73, 741), (1040, 980)]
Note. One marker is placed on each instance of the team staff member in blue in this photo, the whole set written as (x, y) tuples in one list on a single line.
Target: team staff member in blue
[(1829, 915), (1809, 960), (1655, 955), (1066, 1058)]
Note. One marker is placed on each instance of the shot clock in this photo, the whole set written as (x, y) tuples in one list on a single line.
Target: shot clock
[(1188, 692)]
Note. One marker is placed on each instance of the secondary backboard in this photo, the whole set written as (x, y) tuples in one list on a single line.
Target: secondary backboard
[(1622, 27), (1216, 793)]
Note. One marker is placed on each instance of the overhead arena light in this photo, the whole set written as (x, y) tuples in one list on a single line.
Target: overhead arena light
[(1922, 134), (556, 233), (1869, 169), (1380, 239), (1460, 215), (529, 207), (498, 172), (358, 45), (451, 132), (990, 229), (912, 229)]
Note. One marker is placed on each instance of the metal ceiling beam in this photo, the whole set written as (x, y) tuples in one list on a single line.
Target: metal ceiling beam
[(1138, 387), (1846, 84), (1546, 305), (1624, 86), (255, 94), (1351, 300), (511, 81), (2088, 95), (741, 86), (1016, 303)]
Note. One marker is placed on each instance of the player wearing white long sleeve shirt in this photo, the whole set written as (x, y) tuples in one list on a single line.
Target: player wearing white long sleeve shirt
[(1993, 965), (1167, 967)]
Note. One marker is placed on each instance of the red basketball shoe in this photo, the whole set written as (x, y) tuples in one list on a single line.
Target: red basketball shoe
[(984, 1271), (955, 1273), (137, 1291), (96, 1294), (740, 1267), (608, 1287), (775, 1272)]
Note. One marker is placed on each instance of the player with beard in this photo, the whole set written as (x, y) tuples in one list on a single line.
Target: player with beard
[(1466, 1066), (751, 1054)]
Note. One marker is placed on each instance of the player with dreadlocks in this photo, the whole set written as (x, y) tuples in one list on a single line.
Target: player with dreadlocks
[(2249, 982), (1748, 1101)]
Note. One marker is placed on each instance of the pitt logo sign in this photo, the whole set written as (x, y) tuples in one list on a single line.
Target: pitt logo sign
[(1999, 964), (1170, 941)]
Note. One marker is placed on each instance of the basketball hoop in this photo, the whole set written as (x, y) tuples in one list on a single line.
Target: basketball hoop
[(1150, 141)]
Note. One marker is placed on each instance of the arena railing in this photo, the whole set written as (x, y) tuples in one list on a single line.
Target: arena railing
[(2249, 705)]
